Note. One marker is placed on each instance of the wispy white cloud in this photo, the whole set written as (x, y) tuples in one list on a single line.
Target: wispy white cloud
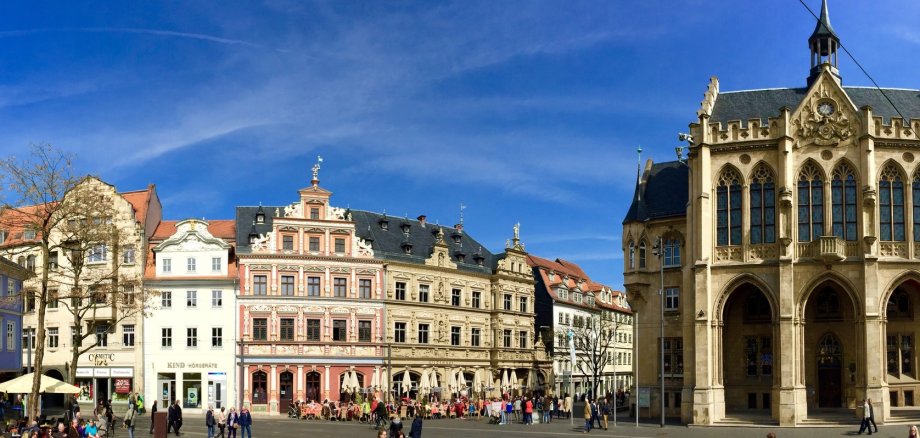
[(140, 31)]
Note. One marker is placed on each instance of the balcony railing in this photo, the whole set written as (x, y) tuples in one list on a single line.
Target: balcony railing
[(828, 249)]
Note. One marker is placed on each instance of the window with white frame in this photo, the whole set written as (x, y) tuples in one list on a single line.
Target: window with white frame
[(166, 299), (217, 337), (217, 298), (191, 337), (671, 252), (191, 298), (102, 335), (671, 298), (216, 265), (166, 264), (166, 337), (97, 254), (128, 256), (127, 335), (53, 337), (10, 336), (190, 264)]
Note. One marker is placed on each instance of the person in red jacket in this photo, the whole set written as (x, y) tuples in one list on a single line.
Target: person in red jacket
[(528, 411)]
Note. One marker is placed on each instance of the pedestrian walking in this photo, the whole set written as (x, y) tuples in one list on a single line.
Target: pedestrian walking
[(175, 418), (547, 409), (221, 422), (396, 426), (245, 423), (865, 417), (596, 413), (587, 416), (528, 411), (568, 406), (153, 410), (233, 423), (210, 422), (129, 419), (605, 412), (416, 430), (871, 415)]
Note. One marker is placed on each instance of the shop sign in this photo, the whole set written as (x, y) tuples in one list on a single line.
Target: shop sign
[(102, 372), (101, 359), (122, 372), (217, 377), (84, 372), (183, 365), (122, 386)]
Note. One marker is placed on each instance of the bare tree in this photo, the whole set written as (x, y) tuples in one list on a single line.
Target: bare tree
[(30, 212), (594, 338), (76, 234)]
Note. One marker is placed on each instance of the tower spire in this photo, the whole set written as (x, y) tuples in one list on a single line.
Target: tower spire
[(823, 43)]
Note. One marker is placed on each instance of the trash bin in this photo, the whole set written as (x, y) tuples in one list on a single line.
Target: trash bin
[(159, 425)]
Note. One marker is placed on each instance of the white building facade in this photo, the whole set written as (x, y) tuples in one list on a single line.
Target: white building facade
[(190, 334)]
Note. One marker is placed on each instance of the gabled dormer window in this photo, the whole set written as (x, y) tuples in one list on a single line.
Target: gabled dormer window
[(407, 247), (405, 228), (479, 259), (28, 235), (562, 293), (384, 223), (260, 218), (457, 237), (576, 297)]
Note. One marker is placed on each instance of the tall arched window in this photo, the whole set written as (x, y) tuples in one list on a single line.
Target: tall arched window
[(916, 198), (632, 255), (259, 393), (843, 201), (811, 203), (642, 255), (763, 202), (728, 208), (891, 204)]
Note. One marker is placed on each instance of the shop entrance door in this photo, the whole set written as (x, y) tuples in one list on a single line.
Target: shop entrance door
[(287, 391), (102, 390), (216, 393), (167, 393)]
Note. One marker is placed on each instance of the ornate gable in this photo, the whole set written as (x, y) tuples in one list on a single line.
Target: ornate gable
[(192, 235), (826, 116)]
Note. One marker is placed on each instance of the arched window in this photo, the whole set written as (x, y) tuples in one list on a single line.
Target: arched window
[(671, 251), (728, 208), (642, 255), (632, 255), (891, 204), (30, 263), (811, 203), (843, 201), (756, 307), (829, 352), (916, 198), (763, 202), (313, 386), (259, 393), (828, 304), (898, 305)]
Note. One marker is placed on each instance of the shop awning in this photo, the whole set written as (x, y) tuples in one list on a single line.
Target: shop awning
[(48, 385)]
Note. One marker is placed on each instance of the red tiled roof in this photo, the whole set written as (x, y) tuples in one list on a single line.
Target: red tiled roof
[(564, 268), (221, 228), (139, 199)]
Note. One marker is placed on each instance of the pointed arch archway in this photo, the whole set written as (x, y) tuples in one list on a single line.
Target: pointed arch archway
[(746, 313), (830, 311), (900, 308)]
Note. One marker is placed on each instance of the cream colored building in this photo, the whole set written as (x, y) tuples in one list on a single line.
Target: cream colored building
[(453, 308), (114, 368), (798, 288)]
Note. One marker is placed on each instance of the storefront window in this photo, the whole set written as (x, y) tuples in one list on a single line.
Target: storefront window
[(86, 390), (191, 389)]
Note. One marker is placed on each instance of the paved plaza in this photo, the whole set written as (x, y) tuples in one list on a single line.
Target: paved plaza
[(267, 427)]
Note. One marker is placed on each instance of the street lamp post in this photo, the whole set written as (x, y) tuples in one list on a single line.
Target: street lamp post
[(658, 250)]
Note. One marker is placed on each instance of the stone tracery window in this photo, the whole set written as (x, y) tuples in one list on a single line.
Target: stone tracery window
[(891, 204), (763, 202), (915, 189), (728, 208), (811, 202), (632, 255), (642, 253), (898, 305), (843, 202)]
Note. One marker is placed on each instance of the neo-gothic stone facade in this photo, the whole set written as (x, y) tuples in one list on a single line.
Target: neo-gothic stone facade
[(799, 285)]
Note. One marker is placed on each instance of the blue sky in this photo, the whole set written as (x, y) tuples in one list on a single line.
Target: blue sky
[(524, 111)]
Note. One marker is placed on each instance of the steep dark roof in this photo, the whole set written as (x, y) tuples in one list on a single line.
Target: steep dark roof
[(761, 104), (662, 193), (245, 224), (823, 28), (388, 244)]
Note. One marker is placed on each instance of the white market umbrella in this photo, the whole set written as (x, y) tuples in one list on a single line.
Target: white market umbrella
[(531, 379), (375, 379), (346, 382), (384, 380), (433, 378), (461, 380), (514, 380), (477, 381), (505, 379), (452, 383), (424, 384), (406, 381), (47, 384), (355, 385)]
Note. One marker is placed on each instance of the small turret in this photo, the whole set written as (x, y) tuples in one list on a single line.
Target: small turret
[(824, 45)]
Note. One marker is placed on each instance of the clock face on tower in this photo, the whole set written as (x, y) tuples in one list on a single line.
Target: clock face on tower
[(826, 108)]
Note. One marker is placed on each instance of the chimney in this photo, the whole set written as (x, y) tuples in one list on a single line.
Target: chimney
[(421, 220), (458, 227)]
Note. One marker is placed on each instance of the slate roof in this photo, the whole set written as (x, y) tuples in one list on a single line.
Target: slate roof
[(388, 243), (761, 104), (662, 193), (245, 224)]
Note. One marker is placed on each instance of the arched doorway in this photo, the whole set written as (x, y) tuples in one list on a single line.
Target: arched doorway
[(53, 400), (402, 391), (830, 369), (286, 391), (259, 388), (748, 350), (313, 390), (900, 351), (830, 380)]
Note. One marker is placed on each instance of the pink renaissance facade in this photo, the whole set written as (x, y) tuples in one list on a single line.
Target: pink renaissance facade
[(310, 305)]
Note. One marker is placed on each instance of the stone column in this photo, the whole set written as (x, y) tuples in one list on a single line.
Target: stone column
[(788, 350), (326, 382), (300, 383), (273, 391)]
